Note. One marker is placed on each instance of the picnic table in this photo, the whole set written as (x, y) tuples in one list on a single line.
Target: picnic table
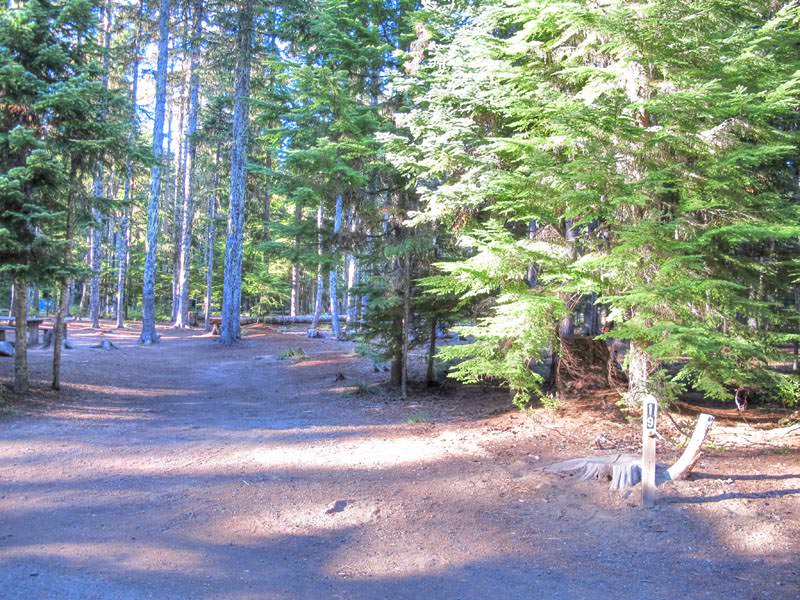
[(33, 328)]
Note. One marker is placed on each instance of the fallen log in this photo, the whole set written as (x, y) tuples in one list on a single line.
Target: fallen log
[(298, 319), (625, 470), (287, 320)]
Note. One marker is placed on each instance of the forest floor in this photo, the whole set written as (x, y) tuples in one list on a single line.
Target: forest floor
[(189, 470)]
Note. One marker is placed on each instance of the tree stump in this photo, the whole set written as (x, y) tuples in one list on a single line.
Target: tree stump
[(625, 470)]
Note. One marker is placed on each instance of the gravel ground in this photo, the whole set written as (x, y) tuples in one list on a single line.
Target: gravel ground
[(189, 470)]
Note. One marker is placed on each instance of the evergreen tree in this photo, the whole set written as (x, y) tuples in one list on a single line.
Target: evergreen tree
[(51, 135), (647, 164)]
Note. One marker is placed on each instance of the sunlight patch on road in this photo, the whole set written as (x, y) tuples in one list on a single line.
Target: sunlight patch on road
[(365, 453)]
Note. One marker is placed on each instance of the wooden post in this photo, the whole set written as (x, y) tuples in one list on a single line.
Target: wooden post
[(649, 415)]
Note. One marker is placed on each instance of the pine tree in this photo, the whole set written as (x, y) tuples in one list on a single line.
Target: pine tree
[(586, 120), (51, 84)]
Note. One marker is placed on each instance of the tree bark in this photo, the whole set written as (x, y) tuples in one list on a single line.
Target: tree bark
[(430, 378), (95, 254), (149, 335), (123, 240), (406, 324), (20, 336), (351, 273), (638, 373), (96, 236), (294, 304), (533, 269), (211, 240), (333, 275), (312, 332), (181, 319), (178, 200), (231, 295), (66, 284)]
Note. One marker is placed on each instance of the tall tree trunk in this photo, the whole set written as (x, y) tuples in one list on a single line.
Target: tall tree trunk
[(95, 254), (796, 344), (351, 274), (20, 336), (211, 239), (267, 200), (181, 319), (123, 241), (66, 283), (232, 285), (122, 260), (312, 332), (333, 275), (178, 202), (95, 231), (294, 304), (149, 335), (566, 329), (406, 324), (84, 301)]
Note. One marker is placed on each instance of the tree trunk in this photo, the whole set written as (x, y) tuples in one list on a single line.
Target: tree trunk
[(430, 378), (149, 335), (533, 269), (95, 255), (638, 373), (406, 324), (333, 275), (796, 349), (123, 240), (65, 286), (84, 298), (267, 200), (178, 201), (294, 304), (96, 236), (231, 295), (181, 319), (211, 239), (566, 329), (351, 268), (312, 332), (20, 337)]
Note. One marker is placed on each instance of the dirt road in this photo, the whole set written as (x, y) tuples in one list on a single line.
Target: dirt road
[(188, 470)]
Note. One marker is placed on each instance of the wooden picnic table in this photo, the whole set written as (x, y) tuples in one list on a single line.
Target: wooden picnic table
[(33, 328)]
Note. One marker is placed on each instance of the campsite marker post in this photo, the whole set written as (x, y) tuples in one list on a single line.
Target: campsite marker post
[(649, 415)]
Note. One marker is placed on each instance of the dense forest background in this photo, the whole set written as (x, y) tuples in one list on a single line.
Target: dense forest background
[(562, 183)]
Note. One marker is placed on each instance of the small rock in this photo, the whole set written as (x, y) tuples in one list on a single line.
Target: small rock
[(337, 507)]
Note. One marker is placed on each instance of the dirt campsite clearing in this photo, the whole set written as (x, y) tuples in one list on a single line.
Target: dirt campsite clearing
[(281, 469)]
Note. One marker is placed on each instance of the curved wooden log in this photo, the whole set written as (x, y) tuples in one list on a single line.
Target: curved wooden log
[(692, 453)]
